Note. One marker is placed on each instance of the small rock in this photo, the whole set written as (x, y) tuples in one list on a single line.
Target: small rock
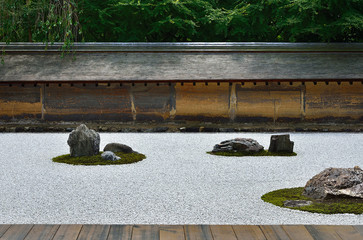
[(297, 203), (238, 145), (281, 143), (160, 129), (84, 142), (118, 147), (336, 182), (226, 130), (182, 129), (110, 156)]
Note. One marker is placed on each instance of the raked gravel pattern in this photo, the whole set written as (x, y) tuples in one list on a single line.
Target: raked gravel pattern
[(178, 183)]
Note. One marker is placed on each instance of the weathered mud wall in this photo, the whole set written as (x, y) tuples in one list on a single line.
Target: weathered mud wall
[(200, 101)]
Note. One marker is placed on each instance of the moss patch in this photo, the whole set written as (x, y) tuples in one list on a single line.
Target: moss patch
[(328, 206), (258, 154), (126, 158)]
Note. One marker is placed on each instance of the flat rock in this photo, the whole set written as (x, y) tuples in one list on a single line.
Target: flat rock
[(118, 147), (238, 145), (297, 203), (83, 142), (110, 156), (281, 143), (336, 182)]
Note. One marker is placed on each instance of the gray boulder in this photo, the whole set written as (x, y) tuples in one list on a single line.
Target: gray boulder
[(336, 182), (297, 203), (84, 142), (110, 156), (281, 143), (118, 147), (238, 145)]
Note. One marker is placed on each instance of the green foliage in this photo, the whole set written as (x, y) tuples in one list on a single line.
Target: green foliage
[(253, 154), (126, 158), (329, 206), (39, 21), (181, 20)]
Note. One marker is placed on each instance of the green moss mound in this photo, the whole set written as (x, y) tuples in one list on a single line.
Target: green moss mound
[(258, 154), (126, 158), (329, 206)]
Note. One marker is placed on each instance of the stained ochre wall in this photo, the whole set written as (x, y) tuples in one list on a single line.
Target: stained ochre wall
[(200, 101)]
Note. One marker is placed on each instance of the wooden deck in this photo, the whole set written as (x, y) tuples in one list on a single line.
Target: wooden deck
[(179, 232)]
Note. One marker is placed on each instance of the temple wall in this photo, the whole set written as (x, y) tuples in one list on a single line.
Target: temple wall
[(200, 101)]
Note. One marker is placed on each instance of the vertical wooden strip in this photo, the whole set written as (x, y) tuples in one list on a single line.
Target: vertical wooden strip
[(94, 232), (248, 232), (145, 232), (322, 232), (120, 232), (197, 232), (132, 101), (17, 232), (221, 232), (274, 232), (302, 101), (232, 102), (68, 232), (42, 232), (348, 232), (42, 99), (171, 232), (172, 101), (4, 228), (298, 232)]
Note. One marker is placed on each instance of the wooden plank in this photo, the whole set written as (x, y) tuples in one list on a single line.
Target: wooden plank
[(68, 232), (274, 232), (322, 232), (223, 232), (4, 228), (347, 232), (120, 232), (94, 232), (145, 232), (42, 232), (297, 232), (197, 232), (248, 232), (171, 232), (17, 232), (359, 228)]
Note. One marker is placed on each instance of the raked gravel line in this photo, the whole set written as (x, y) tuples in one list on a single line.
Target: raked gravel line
[(178, 183)]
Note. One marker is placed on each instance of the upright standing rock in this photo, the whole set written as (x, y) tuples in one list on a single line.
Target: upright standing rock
[(281, 143), (84, 141)]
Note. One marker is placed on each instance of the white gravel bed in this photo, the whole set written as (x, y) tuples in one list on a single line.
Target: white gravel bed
[(178, 183)]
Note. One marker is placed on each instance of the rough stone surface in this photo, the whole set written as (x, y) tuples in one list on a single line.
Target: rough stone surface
[(238, 145), (83, 142), (297, 203), (118, 147), (281, 143), (336, 182), (110, 156)]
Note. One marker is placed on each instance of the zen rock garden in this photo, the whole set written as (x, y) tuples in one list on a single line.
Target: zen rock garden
[(280, 145), (334, 190), (84, 146)]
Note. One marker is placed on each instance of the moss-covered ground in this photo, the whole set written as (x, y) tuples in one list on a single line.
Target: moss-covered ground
[(258, 154), (328, 206), (126, 158)]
